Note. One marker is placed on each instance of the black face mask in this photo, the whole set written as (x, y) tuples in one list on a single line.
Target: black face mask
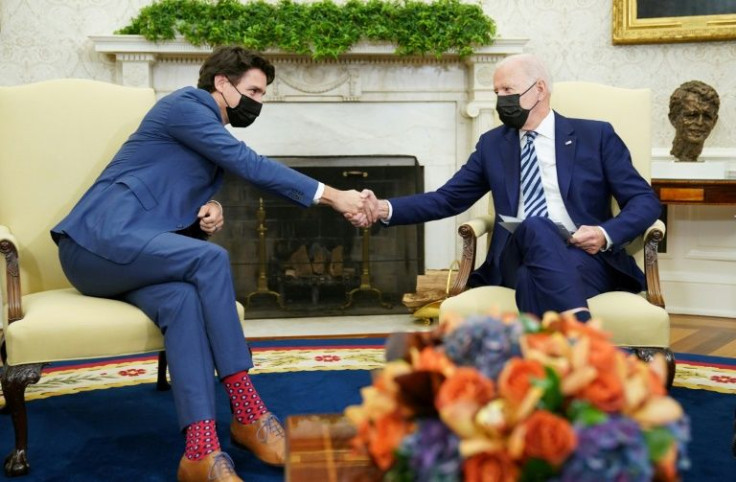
[(245, 113), (510, 110)]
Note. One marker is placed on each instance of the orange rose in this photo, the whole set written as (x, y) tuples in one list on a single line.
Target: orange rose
[(602, 355), (431, 359), (656, 384), (605, 392), (384, 436), (490, 467), (515, 379), (548, 437), (551, 344), (465, 385), (572, 328), (537, 341)]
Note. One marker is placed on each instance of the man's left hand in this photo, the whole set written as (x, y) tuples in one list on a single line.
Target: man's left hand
[(589, 238), (211, 218)]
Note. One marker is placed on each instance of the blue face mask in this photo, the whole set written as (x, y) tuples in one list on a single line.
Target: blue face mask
[(510, 110)]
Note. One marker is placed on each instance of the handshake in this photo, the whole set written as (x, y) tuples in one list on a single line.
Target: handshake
[(361, 209)]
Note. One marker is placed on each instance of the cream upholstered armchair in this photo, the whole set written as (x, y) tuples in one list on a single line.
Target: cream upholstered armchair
[(55, 138), (637, 321)]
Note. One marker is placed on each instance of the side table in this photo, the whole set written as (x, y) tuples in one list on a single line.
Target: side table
[(318, 450), (695, 191)]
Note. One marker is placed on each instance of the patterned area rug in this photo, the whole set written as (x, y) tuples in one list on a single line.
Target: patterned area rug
[(706, 373), (281, 356)]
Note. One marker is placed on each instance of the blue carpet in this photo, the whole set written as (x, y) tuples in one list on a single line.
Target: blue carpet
[(711, 424), (130, 433)]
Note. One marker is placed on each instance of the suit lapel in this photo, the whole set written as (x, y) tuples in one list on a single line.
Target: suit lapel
[(565, 148)]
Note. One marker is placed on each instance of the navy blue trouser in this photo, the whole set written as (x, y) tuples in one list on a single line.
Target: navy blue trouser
[(185, 286), (547, 272)]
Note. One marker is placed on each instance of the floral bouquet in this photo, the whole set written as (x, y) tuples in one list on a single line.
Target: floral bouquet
[(512, 398)]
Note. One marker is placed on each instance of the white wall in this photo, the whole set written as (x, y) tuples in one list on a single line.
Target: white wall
[(44, 39)]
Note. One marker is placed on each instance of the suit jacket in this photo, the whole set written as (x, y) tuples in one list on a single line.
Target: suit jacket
[(593, 165), (165, 171)]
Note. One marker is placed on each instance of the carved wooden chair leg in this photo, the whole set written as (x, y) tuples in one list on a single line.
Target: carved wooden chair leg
[(647, 353), (161, 383), (14, 381)]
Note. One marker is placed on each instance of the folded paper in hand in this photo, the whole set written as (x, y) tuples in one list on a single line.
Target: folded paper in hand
[(510, 224)]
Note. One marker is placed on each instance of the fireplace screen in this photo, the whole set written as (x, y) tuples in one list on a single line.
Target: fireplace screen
[(288, 261)]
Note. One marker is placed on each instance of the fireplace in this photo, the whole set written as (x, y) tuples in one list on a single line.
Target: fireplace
[(291, 261)]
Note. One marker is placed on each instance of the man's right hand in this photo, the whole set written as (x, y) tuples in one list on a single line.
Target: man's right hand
[(342, 201), (374, 209)]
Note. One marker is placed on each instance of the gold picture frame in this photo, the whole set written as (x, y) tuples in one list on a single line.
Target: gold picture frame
[(707, 25)]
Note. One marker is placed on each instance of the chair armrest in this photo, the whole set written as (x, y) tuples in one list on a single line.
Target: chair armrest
[(652, 237), (8, 248), (477, 227), (470, 232)]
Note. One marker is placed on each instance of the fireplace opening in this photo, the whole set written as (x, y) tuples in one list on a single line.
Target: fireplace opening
[(288, 261)]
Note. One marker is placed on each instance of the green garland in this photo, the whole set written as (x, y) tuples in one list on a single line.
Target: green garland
[(322, 29)]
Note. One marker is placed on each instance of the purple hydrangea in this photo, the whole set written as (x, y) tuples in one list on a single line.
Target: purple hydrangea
[(614, 450), (680, 429), (432, 451), (484, 343)]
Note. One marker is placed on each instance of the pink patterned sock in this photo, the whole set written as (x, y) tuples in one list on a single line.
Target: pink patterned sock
[(201, 439), (244, 399)]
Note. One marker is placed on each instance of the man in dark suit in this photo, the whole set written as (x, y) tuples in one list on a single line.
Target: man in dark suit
[(548, 171), (137, 235)]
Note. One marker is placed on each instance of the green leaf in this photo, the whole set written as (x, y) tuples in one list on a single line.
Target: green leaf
[(552, 398), (659, 440), (529, 324), (537, 470), (400, 471), (582, 412), (320, 29)]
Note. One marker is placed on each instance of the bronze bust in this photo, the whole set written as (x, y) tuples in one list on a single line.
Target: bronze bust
[(693, 113)]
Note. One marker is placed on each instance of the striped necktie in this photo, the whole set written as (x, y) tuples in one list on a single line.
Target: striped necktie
[(532, 191)]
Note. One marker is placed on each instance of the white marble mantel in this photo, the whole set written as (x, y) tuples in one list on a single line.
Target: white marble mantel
[(368, 101), (136, 60)]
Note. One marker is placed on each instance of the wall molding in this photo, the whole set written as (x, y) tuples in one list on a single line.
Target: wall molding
[(712, 255)]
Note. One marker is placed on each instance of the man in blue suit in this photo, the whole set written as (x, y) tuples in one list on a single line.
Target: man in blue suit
[(138, 234), (547, 170)]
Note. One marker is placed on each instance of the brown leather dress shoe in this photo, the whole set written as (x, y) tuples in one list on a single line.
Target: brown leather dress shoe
[(264, 437), (217, 466)]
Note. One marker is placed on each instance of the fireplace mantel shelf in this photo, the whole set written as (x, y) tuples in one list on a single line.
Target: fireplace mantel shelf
[(137, 45), (343, 78)]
